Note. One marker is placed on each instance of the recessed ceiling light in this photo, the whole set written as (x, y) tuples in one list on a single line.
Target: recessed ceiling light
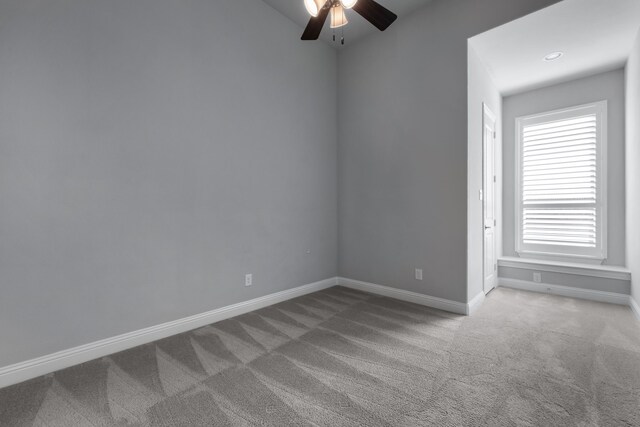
[(553, 56)]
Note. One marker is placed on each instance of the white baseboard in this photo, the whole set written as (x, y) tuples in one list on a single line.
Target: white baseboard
[(566, 291), (414, 297), (634, 307), (475, 303), (33, 368)]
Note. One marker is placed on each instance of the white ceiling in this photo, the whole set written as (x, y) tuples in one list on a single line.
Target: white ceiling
[(356, 28), (595, 35)]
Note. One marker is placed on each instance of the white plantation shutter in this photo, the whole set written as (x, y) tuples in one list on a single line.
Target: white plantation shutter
[(560, 182)]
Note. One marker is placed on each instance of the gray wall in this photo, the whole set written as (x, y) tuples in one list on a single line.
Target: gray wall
[(633, 168), (482, 90), (605, 86), (403, 146), (152, 152)]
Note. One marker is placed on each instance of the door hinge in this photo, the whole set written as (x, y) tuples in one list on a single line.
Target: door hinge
[(494, 178), (494, 134), (495, 222)]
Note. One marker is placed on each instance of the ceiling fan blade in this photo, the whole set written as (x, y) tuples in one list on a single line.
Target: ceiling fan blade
[(373, 12), (314, 27)]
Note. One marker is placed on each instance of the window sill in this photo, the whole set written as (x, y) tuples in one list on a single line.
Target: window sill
[(602, 271), (560, 258)]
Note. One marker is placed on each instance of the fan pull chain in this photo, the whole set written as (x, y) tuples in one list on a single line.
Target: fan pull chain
[(342, 39), (333, 29)]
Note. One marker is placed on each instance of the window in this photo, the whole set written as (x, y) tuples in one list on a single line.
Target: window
[(561, 183)]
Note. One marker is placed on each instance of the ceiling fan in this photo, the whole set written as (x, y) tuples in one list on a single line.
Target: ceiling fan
[(319, 10)]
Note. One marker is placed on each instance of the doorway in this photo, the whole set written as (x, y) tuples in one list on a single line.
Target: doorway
[(490, 262)]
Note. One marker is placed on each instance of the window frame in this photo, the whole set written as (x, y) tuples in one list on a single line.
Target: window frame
[(557, 252)]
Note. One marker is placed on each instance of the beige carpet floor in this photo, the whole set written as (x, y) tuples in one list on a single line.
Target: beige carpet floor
[(345, 358)]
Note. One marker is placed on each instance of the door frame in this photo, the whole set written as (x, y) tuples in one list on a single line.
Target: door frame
[(488, 114)]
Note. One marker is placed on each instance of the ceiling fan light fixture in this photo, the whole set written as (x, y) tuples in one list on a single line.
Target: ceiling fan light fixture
[(320, 10), (314, 6), (338, 17), (348, 4)]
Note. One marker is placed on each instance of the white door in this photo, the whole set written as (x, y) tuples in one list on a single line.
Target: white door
[(489, 192)]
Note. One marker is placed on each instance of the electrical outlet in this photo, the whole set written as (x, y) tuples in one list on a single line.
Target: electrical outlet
[(418, 274), (248, 279), (537, 277)]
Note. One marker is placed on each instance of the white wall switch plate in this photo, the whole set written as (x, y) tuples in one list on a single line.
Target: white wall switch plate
[(248, 279), (418, 274)]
